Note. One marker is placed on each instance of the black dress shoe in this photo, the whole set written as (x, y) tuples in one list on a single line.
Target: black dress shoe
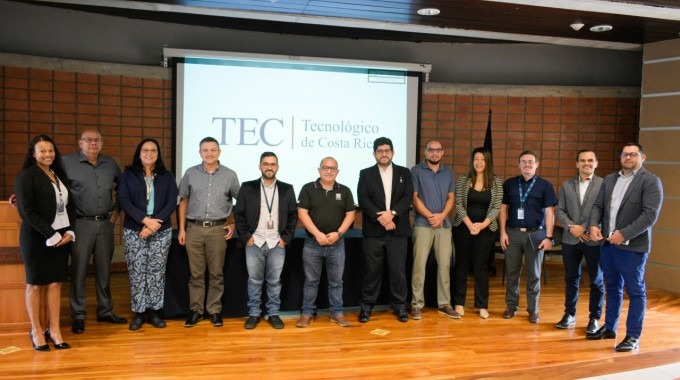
[(364, 316), (137, 321), (592, 326), (193, 319), (628, 344), (402, 315), (251, 322), (216, 319), (58, 346), (78, 326), (533, 317), (566, 322), (509, 313), (111, 318), (275, 321), (602, 333), (41, 348), (155, 320)]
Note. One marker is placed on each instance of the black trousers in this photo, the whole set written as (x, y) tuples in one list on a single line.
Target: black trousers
[(376, 251), (472, 250)]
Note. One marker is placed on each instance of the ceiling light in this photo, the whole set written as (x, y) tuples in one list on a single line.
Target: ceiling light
[(428, 11), (577, 26), (601, 28)]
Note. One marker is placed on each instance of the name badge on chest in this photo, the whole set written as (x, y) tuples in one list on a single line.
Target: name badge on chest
[(520, 213)]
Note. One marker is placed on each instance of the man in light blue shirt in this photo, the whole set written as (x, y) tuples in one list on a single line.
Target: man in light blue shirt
[(433, 194)]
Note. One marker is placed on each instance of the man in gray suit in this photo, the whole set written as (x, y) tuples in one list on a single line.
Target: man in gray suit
[(573, 211), (623, 214)]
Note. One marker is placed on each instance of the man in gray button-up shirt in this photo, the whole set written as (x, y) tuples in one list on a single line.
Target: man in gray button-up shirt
[(93, 179), (207, 191)]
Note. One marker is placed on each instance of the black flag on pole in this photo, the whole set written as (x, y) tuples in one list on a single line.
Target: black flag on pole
[(487, 138)]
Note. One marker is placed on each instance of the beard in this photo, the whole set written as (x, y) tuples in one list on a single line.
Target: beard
[(433, 162)]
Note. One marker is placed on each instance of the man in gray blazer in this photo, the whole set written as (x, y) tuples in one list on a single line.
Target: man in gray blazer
[(623, 214), (573, 211)]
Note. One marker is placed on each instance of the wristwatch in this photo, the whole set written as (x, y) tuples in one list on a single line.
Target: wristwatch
[(340, 233), (393, 212), (552, 241)]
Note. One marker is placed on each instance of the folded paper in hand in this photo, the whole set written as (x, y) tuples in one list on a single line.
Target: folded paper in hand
[(536, 237)]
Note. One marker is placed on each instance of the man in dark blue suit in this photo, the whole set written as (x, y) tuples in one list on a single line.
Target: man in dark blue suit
[(623, 214), (385, 193)]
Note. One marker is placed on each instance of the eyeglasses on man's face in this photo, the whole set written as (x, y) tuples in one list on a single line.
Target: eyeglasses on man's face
[(629, 154), (380, 152), (328, 168), (91, 140)]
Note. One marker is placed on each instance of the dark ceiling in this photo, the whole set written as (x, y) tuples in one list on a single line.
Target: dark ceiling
[(635, 22)]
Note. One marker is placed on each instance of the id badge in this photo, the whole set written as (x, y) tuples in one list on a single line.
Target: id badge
[(270, 224), (60, 207), (520, 214)]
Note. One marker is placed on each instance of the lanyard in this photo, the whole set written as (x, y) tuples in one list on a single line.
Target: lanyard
[(149, 188), (523, 197), (266, 200)]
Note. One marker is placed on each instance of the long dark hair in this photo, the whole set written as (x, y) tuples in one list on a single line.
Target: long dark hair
[(56, 166), (136, 165), (488, 168)]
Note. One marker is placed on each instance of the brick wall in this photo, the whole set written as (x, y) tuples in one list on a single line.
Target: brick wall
[(554, 127), (555, 122), (62, 104)]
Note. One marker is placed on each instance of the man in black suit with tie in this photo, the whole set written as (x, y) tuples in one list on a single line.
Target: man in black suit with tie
[(385, 193)]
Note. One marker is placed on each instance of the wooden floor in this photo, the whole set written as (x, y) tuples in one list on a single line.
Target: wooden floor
[(432, 348)]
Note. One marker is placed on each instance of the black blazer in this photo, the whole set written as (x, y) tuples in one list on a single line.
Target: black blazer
[(372, 200), (247, 210), (36, 201)]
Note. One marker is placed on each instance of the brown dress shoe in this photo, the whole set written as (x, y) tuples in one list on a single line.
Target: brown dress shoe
[(341, 320), (449, 312), (533, 316), (304, 321), (509, 313), (416, 313)]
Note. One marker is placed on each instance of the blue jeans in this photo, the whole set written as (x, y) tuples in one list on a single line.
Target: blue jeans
[(624, 268), (264, 264), (313, 256), (572, 255)]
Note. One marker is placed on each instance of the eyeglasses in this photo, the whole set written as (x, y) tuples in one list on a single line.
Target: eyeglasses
[(631, 154), (269, 165), (383, 151), (329, 168), (435, 150), (90, 140)]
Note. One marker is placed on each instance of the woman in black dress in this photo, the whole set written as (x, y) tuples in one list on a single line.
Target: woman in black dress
[(47, 219)]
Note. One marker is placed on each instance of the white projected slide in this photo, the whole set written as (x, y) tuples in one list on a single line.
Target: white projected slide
[(301, 112)]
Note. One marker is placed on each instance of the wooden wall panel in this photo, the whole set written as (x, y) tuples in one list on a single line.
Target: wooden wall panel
[(660, 111), (670, 177), (661, 77), (661, 50)]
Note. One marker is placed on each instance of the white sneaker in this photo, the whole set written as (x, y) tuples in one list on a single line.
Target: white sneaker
[(460, 310), (483, 313)]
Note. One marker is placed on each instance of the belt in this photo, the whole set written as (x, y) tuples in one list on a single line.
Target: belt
[(527, 229), (94, 217), (207, 223)]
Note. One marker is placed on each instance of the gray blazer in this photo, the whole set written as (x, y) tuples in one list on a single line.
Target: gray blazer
[(639, 209), (569, 209)]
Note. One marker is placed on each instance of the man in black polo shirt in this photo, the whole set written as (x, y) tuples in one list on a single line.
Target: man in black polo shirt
[(528, 207), (326, 209)]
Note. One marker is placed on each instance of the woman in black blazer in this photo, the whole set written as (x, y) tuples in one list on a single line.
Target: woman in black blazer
[(47, 218)]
